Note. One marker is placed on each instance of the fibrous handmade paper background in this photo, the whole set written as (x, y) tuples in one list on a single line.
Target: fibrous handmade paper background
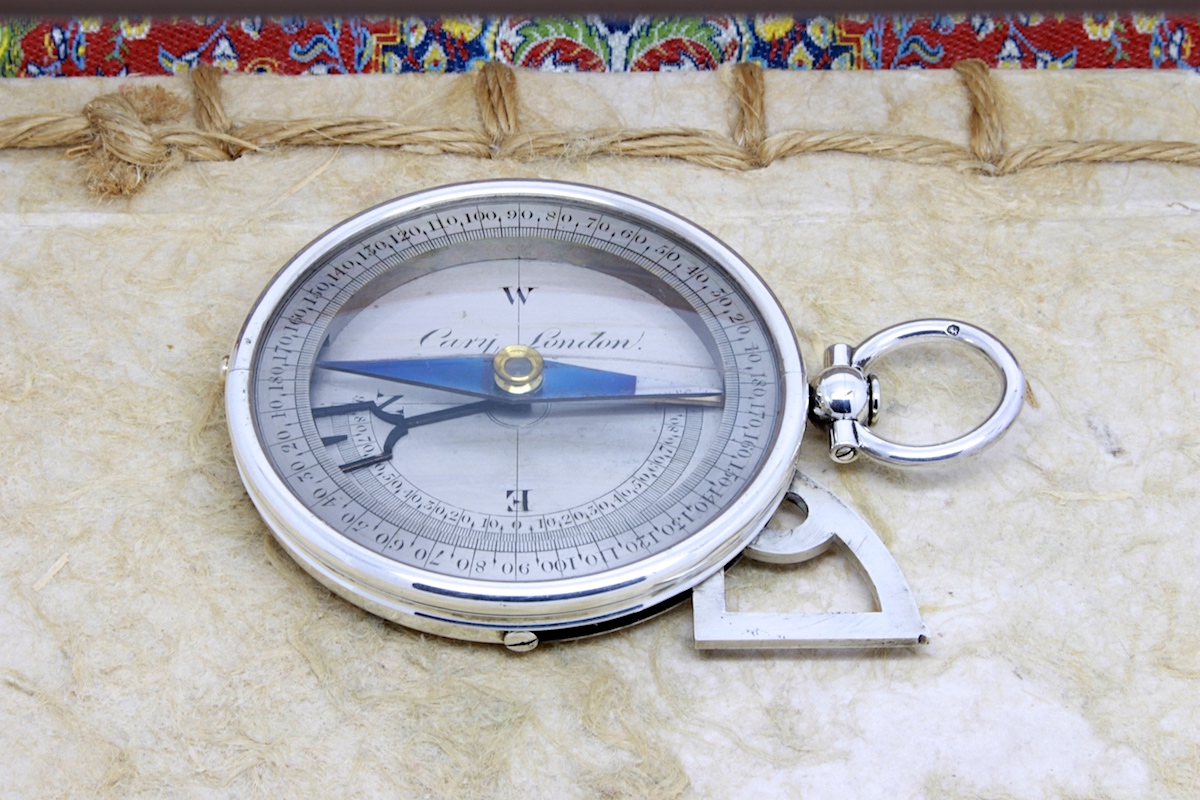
[(156, 642)]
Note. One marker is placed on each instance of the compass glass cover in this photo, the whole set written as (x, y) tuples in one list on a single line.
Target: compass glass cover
[(515, 388)]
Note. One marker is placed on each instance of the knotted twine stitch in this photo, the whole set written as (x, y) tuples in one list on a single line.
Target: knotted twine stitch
[(750, 114), (126, 142), (496, 97), (208, 106), (124, 152), (985, 132), (128, 136)]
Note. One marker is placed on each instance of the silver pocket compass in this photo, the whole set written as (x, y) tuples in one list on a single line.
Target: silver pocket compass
[(521, 411)]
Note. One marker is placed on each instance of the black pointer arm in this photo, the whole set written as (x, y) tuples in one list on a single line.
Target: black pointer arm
[(453, 412), (363, 405), (403, 424)]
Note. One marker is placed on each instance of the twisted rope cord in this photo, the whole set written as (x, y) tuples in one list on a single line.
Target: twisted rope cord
[(913, 149), (368, 131), (129, 136), (699, 147), (45, 130), (1042, 155)]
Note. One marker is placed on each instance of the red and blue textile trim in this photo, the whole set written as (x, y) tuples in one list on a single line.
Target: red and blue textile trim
[(161, 46)]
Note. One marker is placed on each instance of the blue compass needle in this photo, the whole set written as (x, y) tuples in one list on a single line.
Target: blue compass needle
[(475, 376)]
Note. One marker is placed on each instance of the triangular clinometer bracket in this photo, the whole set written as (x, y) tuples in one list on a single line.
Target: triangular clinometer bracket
[(830, 523)]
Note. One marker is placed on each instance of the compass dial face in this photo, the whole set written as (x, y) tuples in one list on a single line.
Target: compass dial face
[(515, 404)]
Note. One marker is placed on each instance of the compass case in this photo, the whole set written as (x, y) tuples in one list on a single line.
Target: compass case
[(722, 507)]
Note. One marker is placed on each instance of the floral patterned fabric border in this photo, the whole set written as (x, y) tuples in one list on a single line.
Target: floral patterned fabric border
[(159, 46)]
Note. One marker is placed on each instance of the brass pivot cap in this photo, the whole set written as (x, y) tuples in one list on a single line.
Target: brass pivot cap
[(518, 369)]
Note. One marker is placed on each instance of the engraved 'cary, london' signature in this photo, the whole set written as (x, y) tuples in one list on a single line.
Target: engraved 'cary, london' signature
[(549, 340)]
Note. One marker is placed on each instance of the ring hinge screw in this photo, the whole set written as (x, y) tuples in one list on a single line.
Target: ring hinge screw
[(843, 441), (841, 397)]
